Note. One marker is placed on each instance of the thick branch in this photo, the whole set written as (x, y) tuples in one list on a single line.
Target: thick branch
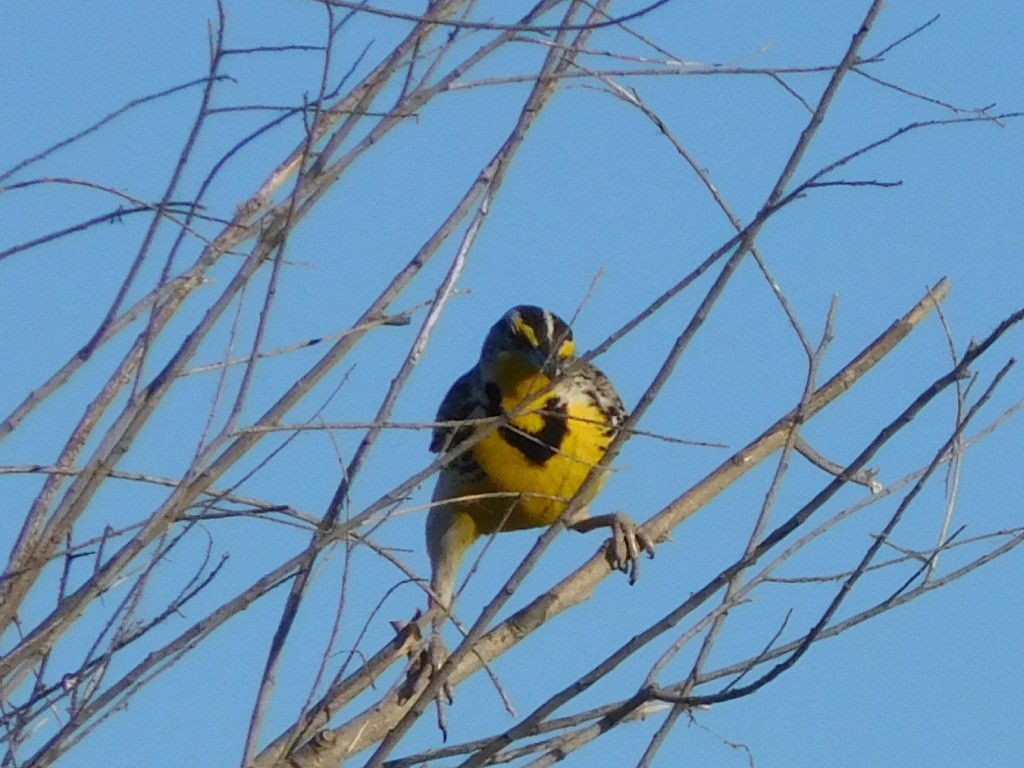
[(579, 586)]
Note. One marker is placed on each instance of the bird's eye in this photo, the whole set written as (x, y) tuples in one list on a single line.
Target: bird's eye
[(523, 331)]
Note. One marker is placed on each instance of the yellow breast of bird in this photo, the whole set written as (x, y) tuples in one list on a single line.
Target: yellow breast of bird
[(537, 462)]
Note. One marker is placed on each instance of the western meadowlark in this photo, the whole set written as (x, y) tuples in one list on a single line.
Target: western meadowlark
[(540, 420)]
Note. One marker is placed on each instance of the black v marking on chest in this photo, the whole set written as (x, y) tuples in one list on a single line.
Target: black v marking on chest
[(538, 447)]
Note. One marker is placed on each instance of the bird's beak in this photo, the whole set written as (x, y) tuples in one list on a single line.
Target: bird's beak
[(544, 361), (552, 366)]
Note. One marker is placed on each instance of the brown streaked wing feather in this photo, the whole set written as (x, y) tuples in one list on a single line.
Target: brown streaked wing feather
[(461, 402), (602, 392)]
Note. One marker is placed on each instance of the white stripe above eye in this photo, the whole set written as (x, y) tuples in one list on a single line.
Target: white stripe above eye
[(549, 327)]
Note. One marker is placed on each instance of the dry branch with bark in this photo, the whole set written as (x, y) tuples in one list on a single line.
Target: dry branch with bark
[(97, 601)]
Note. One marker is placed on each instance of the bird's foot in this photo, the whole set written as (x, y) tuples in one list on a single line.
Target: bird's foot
[(424, 666), (426, 657), (626, 544)]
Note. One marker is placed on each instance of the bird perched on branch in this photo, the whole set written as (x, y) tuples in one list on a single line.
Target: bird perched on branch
[(537, 421)]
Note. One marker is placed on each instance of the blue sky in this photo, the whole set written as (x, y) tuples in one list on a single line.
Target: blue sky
[(599, 211)]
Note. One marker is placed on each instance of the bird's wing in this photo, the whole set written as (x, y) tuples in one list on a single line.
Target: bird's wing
[(598, 388), (463, 401)]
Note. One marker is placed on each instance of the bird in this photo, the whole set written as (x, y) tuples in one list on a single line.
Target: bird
[(537, 420)]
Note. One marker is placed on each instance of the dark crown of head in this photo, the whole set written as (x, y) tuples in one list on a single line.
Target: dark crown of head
[(550, 330)]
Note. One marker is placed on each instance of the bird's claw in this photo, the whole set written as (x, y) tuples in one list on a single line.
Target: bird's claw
[(425, 666), (626, 544), (426, 657)]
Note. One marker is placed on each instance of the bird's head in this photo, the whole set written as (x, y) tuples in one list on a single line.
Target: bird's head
[(527, 340)]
